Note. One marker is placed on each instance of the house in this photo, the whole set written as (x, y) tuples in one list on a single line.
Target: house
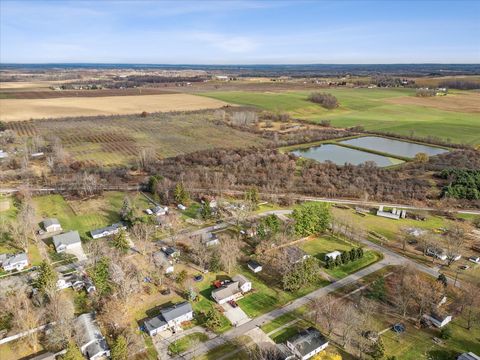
[(92, 344), (436, 252), (16, 262), (67, 241), (307, 343), (394, 214), (107, 231), (222, 77), (44, 356), (161, 260), (159, 211), (227, 292), (171, 252), (254, 266), (295, 254), (63, 284), (182, 207), (332, 255), (51, 225), (468, 356), (232, 290), (244, 284), (210, 239), (474, 259), (438, 319), (169, 318)]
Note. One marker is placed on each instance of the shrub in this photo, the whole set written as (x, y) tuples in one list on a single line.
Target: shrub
[(328, 101), (446, 333)]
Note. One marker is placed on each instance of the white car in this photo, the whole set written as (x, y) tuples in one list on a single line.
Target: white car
[(474, 259)]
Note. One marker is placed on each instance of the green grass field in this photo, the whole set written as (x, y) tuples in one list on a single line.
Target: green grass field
[(185, 343), (369, 108)]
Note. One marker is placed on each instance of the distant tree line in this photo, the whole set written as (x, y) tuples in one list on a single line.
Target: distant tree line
[(460, 84)]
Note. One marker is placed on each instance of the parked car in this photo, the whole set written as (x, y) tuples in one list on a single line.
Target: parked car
[(233, 303)]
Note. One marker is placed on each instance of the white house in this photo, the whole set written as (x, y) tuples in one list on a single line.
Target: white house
[(394, 214), (436, 252), (210, 239), (16, 262), (92, 343), (254, 266), (438, 319), (159, 211), (307, 343), (232, 290), (107, 231), (169, 318), (67, 241), (244, 284), (52, 225), (332, 255)]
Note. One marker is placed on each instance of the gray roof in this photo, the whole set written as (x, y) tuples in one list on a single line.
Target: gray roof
[(176, 311), (294, 253), (240, 279), (226, 291), (50, 221), (109, 229), (15, 259), (91, 334), (468, 356), (307, 340), (154, 323), (253, 264), (44, 356), (69, 238)]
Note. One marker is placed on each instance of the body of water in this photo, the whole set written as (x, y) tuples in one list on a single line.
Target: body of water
[(394, 147), (341, 155)]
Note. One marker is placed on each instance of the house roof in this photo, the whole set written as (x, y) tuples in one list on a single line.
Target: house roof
[(226, 291), (169, 251), (295, 253), (11, 260), (109, 229), (91, 334), (334, 253), (307, 340), (44, 356), (468, 356), (240, 279), (50, 222), (154, 323), (253, 264), (175, 311), (69, 238)]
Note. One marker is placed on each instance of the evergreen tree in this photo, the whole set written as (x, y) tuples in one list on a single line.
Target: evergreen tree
[(206, 211), (353, 254), (181, 195), (338, 261), (213, 319), (378, 350), (378, 290), (345, 257), (360, 253), (252, 197), (119, 349), (73, 353), (120, 241), (127, 211), (47, 278), (311, 218), (443, 279), (101, 276)]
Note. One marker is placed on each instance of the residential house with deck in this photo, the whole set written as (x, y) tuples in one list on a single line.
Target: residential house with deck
[(170, 318), (107, 231), (306, 344), (14, 262), (91, 342)]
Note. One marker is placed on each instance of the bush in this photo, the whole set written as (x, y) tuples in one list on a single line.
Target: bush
[(446, 333), (328, 101), (425, 92)]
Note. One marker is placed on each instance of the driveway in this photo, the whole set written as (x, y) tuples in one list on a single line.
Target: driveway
[(235, 315), (78, 252)]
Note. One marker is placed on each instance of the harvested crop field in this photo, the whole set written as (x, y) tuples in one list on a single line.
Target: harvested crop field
[(26, 109), (467, 103), (109, 141)]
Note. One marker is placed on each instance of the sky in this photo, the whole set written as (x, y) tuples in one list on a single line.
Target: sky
[(240, 32)]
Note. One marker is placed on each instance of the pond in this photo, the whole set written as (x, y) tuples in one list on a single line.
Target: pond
[(341, 155), (394, 147)]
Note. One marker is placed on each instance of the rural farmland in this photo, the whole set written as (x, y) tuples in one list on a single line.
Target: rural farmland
[(26, 109)]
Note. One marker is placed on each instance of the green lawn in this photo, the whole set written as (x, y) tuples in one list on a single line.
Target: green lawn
[(224, 350), (185, 343), (369, 108), (85, 215), (320, 246), (268, 295)]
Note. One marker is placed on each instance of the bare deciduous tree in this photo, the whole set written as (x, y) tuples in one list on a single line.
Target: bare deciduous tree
[(229, 253)]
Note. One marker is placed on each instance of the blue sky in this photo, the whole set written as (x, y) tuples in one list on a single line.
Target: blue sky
[(239, 32)]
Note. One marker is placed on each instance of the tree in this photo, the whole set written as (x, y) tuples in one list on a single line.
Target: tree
[(377, 350), (328, 101), (229, 253), (73, 352), (252, 198), (326, 355), (181, 195), (421, 158), (324, 311), (302, 274), (199, 252), (120, 241), (60, 313), (142, 234), (100, 276), (470, 300), (127, 210), (311, 218), (47, 279), (213, 319), (181, 277), (119, 349), (378, 291), (268, 226), (206, 211), (442, 279), (455, 239)]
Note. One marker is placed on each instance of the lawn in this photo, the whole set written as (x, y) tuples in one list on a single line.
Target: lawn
[(371, 108), (320, 246), (224, 350), (185, 343), (267, 294), (85, 215)]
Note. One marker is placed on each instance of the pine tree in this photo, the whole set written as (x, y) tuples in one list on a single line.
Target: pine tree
[(47, 278), (214, 320), (119, 349), (73, 353), (120, 241)]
